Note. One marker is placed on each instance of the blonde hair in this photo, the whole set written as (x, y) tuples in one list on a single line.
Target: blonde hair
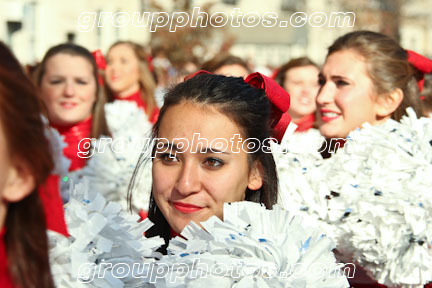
[(146, 81)]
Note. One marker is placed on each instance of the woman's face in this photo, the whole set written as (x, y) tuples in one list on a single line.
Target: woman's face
[(302, 85), (122, 71), (68, 89), (16, 181), (194, 184), (346, 98)]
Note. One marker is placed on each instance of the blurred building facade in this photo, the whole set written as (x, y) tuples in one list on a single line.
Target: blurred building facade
[(30, 27)]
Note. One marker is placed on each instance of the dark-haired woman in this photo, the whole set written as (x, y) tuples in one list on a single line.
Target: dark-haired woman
[(191, 182), (25, 164)]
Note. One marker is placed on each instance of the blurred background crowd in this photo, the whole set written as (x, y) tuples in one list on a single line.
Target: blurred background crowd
[(30, 28)]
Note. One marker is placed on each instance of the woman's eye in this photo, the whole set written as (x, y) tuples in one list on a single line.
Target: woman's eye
[(168, 158), (213, 162), (56, 81), (81, 82), (341, 83)]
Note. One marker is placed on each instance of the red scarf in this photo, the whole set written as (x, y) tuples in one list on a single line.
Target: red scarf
[(305, 123), (73, 135), (137, 99)]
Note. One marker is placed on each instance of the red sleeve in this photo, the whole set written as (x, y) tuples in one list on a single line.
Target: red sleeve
[(52, 203)]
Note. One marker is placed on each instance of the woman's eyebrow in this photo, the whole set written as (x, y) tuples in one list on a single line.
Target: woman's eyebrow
[(338, 77), (209, 150), (203, 150), (170, 146)]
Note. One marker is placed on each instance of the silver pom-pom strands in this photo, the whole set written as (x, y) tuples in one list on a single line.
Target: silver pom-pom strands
[(104, 246), (373, 198), (252, 247)]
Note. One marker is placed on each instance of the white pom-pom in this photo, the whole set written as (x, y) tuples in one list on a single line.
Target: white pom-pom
[(373, 197), (101, 236), (252, 247), (114, 160)]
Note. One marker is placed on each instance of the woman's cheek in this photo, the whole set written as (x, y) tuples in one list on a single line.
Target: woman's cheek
[(162, 178)]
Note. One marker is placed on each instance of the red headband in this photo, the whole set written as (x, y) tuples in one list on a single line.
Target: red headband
[(421, 63), (100, 63), (279, 98)]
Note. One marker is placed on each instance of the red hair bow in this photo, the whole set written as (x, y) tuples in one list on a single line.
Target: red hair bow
[(421, 63), (100, 63), (279, 98), (100, 59)]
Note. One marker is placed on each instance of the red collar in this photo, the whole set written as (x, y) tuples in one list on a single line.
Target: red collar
[(73, 134), (137, 99), (305, 123), (134, 97)]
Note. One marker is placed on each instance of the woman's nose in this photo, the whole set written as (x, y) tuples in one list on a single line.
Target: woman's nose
[(188, 181), (69, 89), (325, 95)]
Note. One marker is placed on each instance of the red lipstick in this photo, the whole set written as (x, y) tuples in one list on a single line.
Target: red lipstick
[(186, 208)]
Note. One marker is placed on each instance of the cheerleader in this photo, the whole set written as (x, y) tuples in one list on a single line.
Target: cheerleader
[(68, 81), (367, 77), (193, 186), (128, 77), (299, 77), (25, 163), (367, 82), (203, 158), (76, 107)]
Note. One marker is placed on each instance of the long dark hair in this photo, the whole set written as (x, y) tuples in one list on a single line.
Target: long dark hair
[(247, 106), (99, 124), (25, 239)]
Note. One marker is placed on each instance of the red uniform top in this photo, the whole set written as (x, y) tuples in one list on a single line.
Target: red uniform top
[(5, 279), (52, 204), (136, 97), (73, 135)]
